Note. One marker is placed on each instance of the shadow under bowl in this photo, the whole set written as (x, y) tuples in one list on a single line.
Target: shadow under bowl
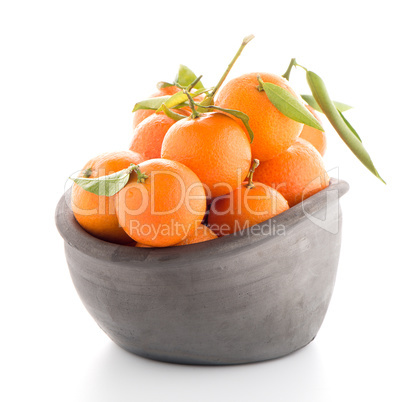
[(238, 299)]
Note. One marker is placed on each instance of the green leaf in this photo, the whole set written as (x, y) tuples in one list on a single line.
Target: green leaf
[(151, 103), (163, 84), (170, 113), (179, 98), (236, 113), (174, 100), (185, 77), (105, 185), (320, 93), (289, 105), (342, 107), (350, 126)]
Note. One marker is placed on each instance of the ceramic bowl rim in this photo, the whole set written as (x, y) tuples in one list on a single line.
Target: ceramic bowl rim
[(77, 237)]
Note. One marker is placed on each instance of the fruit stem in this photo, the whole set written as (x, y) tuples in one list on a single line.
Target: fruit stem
[(250, 174), (210, 97), (291, 65), (87, 173), (261, 82), (171, 113), (194, 83), (140, 176), (194, 113)]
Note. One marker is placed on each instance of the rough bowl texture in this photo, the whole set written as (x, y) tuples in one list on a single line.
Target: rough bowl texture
[(236, 299)]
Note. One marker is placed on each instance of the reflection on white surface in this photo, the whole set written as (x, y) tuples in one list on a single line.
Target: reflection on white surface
[(118, 376)]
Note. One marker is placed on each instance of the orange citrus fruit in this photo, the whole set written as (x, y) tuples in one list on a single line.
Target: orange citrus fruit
[(202, 233), (273, 131), (142, 114), (245, 207), (214, 147), (149, 134), (142, 245), (314, 136), (96, 214), (165, 208), (297, 173)]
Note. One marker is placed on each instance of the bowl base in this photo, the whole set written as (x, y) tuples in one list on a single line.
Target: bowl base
[(199, 362)]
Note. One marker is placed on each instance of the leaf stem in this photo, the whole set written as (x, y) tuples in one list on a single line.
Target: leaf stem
[(194, 113), (194, 83), (140, 176), (291, 65), (299, 65), (209, 98), (250, 174)]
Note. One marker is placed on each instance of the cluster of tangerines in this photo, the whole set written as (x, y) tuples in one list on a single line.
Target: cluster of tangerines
[(194, 173)]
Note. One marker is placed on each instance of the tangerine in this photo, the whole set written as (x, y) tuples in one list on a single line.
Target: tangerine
[(297, 173), (202, 233), (314, 136), (162, 205), (214, 147), (273, 131), (142, 114), (247, 205), (96, 214), (149, 134)]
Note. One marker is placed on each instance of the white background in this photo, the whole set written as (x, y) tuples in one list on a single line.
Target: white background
[(70, 75)]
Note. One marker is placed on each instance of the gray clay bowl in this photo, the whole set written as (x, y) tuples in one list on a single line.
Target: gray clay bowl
[(236, 299)]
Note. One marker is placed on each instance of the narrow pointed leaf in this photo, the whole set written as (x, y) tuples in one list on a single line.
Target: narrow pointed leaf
[(342, 107), (320, 93), (163, 84), (105, 185), (174, 100), (178, 99), (185, 77), (350, 126), (236, 113), (170, 113), (290, 106), (151, 103)]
